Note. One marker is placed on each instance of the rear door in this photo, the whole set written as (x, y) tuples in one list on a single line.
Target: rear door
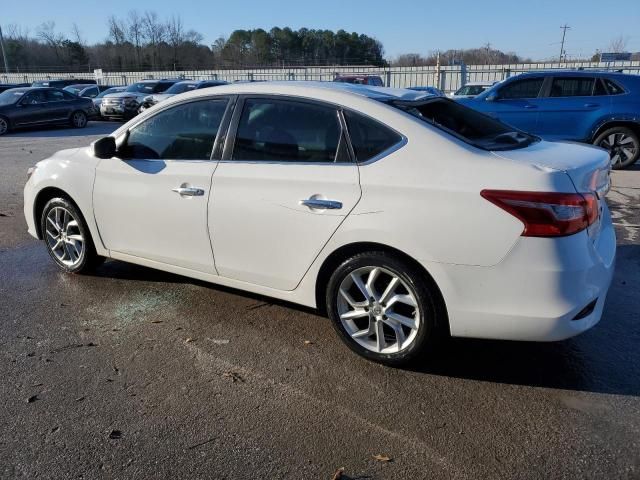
[(58, 106), (285, 184), (570, 108)]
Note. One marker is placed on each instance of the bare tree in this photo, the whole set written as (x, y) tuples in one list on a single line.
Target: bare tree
[(154, 32), (47, 33), (618, 45), (136, 32), (77, 34), (117, 30), (175, 35)]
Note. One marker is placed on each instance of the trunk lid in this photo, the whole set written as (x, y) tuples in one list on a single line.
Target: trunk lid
[(588, 167)]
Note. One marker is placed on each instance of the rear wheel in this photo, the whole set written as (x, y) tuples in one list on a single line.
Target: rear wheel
[(382, 308), (4, 125), (78, 119), (67, 237), (623, 146)]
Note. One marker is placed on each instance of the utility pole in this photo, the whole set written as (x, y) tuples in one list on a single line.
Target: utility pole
[(4, 55), (487, 47), (564, 28)]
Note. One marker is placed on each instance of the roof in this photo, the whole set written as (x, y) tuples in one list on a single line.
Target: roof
[(320, 90), (575, 72)]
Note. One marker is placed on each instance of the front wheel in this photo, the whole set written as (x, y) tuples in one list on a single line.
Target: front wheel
[(382, 308), (623, 146), (78, 119), (67, 237)]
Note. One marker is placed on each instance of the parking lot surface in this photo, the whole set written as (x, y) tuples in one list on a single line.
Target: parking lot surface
[(135, 373)]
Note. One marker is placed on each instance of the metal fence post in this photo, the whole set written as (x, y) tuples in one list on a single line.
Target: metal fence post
[(388, 78), (463, 74)]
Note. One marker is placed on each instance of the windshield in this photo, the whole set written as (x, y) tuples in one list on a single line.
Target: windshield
[(11, 96), (181, 88), (141, 87), (467, 124)]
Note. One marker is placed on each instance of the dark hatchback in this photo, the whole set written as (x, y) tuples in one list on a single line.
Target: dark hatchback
[(31, 107)]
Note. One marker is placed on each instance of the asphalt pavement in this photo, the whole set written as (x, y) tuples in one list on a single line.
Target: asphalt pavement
[(138, 374)]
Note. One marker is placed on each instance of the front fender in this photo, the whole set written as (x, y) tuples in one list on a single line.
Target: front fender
[(72, 172)]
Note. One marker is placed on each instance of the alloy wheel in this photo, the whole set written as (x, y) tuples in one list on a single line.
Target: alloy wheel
[(621, 147), (64, 237), (378, 310), (4, 126), (79, 119)]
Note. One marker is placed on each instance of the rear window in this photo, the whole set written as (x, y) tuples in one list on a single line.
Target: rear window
[(468, 125), (369, 137)]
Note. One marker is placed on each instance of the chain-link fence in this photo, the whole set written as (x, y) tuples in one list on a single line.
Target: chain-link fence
[(447, 78)]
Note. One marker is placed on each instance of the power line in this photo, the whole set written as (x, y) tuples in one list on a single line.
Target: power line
[(564, 28)]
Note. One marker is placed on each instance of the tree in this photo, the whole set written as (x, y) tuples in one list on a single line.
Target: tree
[(618, 45)]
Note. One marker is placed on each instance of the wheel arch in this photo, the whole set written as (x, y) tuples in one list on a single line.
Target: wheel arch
[(41, 200), (345, 251), (633, 124)]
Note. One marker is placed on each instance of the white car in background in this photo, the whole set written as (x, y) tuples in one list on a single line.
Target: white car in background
[(471, 89), (398, 213)]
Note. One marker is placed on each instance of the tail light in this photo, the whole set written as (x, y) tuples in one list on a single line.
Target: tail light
[(547, 214)]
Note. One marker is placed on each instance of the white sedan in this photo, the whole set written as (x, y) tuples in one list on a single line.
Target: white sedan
[(399, 214)]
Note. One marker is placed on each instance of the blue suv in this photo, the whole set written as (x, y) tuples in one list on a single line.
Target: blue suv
[(598, 107)]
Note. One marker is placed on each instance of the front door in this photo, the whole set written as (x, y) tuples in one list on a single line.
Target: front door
[(285, 186), (151, 202), (517, 104)]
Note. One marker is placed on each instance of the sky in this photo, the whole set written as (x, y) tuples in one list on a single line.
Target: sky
[(530, 29)]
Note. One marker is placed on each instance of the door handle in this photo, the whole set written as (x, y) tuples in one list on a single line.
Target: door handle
[(188, 191), (321, 204), (591, 105), (530, 106)]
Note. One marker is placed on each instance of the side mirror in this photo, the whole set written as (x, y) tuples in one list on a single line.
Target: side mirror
[(492, 97), (105, 147)]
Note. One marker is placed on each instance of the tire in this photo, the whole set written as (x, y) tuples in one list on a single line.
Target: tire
[(78, 119), (358, 320), (623, 145), (67, 237), (4, 125)]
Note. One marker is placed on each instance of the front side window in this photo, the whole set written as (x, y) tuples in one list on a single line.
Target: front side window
[(90, 92), (528, 88), (183, 132), (369, 137), (34, 98), (287, 131), (572, 87)]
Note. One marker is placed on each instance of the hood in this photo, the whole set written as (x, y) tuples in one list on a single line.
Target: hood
[(158, 97), (126, 94), (587, 166)]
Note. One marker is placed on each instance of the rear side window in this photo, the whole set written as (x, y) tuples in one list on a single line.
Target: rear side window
[(572, 87), (369, 137), (288, 131), (528, 88), (54, 95), (613, 87), (161, 87)]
